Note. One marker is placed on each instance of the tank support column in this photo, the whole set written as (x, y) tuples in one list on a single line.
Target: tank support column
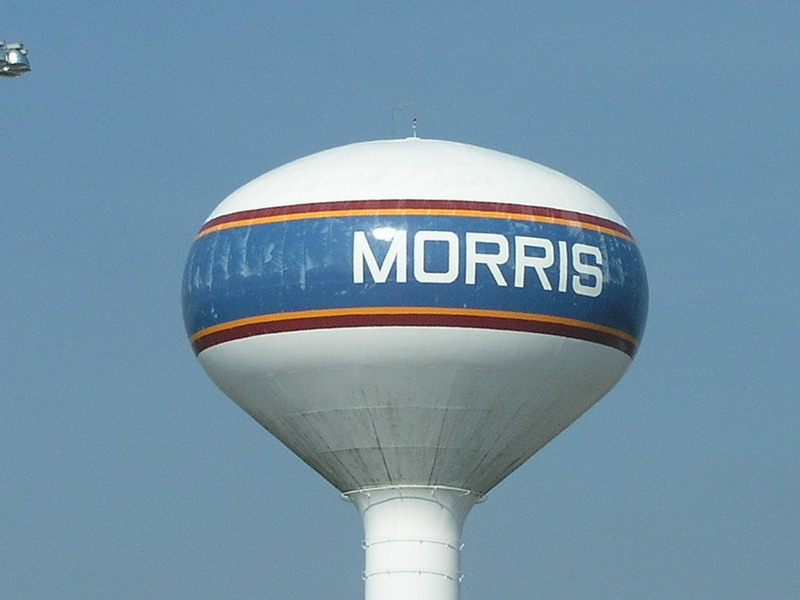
[(412, 540)]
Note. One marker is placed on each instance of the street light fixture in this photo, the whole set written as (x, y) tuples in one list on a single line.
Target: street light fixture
[(13, 60)]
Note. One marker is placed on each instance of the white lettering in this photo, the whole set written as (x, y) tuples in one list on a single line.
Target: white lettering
[(420, 272), (563, 266), (522, 259), (579, 251), (547, 258), (395, 256), (474, 258)]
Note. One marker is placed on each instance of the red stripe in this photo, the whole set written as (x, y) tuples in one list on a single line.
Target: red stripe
[(435, 206), (394, 320)]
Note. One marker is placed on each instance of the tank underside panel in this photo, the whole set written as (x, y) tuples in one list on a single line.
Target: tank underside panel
[(384, 406)]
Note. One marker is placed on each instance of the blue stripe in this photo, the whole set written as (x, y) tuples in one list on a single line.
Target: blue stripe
[(307, 264)]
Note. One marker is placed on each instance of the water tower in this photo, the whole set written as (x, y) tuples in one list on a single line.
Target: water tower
[(414, 319)]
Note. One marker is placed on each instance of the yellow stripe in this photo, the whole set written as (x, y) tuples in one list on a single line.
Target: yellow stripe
[(413, 211), (411, 310)]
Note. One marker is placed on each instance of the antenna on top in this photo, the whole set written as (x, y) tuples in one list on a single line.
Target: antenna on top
[(397, 108)]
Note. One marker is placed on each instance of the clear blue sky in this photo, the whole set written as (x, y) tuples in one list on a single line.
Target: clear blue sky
[(125, 474)]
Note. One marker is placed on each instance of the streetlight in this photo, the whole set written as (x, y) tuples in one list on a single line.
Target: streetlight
[(13, 60)]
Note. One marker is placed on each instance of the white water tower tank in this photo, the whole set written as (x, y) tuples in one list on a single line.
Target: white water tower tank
[(414, 318)]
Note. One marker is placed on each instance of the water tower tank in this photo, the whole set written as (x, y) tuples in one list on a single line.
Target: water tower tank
[(414, 318)]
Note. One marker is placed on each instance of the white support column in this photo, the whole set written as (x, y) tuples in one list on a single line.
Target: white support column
[(412, 538)]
